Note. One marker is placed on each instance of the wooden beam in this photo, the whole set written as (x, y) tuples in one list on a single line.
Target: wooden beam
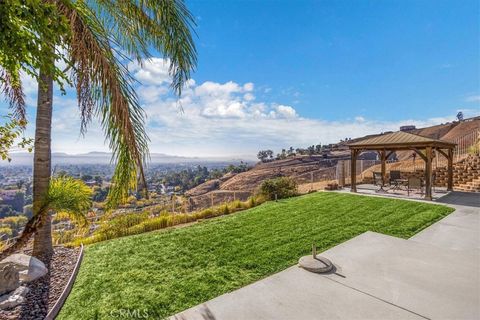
[(420, 154), (443, 153), (428, 174), (389, 154), (383, 159), (353, 171), (450, 170)]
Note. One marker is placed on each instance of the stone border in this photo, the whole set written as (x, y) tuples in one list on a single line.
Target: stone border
[(52, 314)]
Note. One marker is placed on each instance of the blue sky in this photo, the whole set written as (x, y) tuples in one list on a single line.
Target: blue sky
[(272, 74), (342, 58)]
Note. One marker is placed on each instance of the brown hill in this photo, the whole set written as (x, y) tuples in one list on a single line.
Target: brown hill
[(300, 168), (242, 185), (450, 132)]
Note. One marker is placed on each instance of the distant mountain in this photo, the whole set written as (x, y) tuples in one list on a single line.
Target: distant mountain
[(96, 157)]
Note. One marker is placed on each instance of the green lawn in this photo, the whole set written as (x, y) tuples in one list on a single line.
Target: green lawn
[(168, 271)]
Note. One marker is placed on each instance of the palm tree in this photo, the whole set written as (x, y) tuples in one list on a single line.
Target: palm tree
[(103, 35)]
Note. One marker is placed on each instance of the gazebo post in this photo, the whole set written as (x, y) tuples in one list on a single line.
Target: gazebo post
[(428, 174), (450, 170), (384, 168), (353, 171)]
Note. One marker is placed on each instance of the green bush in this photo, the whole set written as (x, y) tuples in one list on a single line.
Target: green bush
[(283, 187)]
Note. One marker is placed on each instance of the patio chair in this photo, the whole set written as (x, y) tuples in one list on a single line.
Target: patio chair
[(378, 181), (414, 183), (394, 177)]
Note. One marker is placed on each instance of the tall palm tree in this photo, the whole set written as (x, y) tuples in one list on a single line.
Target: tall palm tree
[(103, 36)]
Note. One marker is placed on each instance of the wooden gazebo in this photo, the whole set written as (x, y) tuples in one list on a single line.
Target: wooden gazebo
[(387, 144)]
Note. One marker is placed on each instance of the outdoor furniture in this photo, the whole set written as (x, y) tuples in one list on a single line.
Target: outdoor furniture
[(378, 181), (395, 180), (401, 184), (414, 183)]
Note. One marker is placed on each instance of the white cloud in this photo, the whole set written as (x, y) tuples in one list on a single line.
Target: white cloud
[(286, 111), (473, 98), (214, 89), (248, 97), (359, 119), (248, 86), (151, 94), (153, 72), (217, 119)]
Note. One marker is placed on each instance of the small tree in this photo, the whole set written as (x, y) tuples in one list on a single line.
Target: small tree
[(66, 196), (460, 116), (265, 155), (283, 187)]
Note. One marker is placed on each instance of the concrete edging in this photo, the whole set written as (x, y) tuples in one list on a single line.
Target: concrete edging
[(52, 314)]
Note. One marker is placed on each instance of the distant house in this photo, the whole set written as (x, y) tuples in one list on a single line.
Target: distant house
[(13, 198), (407, 128), (8, 195), (91, 183)]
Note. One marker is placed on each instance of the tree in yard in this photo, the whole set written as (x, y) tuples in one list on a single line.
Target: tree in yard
[(278, 188), (101, 36)]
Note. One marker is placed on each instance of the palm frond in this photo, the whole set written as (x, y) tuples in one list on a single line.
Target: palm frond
[(11, 88), (104, 87), (165, 25), (69, 196)]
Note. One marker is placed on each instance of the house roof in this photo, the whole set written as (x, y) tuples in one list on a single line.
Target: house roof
[(400, 140)]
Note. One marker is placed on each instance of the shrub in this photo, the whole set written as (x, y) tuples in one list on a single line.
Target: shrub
[(225, 209), (5, 232), (283, 187)]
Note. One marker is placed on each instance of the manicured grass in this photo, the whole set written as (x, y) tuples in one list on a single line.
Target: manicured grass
[(169, 271)]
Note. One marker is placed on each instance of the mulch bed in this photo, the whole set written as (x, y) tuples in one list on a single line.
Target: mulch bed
[(45, 291)]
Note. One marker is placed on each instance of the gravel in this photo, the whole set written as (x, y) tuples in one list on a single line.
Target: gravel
[(45, 291)]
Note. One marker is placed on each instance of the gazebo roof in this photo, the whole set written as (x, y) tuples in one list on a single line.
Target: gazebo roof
[(400, 140)]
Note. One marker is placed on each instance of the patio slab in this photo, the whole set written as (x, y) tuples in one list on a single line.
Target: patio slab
[(434, 282), (295, 294), (460, 229), (369, 189)]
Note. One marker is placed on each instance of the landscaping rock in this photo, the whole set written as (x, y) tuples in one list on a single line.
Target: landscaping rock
[(45, 291), (30, 268), (13, 299), (9, 277)]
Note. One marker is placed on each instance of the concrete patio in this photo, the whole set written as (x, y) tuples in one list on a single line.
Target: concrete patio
[(433, 275), (370, 189)]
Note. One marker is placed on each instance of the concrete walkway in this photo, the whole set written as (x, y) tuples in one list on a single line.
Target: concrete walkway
[(433, 275)]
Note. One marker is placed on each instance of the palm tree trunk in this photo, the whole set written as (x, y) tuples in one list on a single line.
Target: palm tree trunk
[(42, 168)]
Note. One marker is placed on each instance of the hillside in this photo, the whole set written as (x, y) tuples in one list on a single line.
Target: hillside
[(306, 168), (301, 168), (449, 132)]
